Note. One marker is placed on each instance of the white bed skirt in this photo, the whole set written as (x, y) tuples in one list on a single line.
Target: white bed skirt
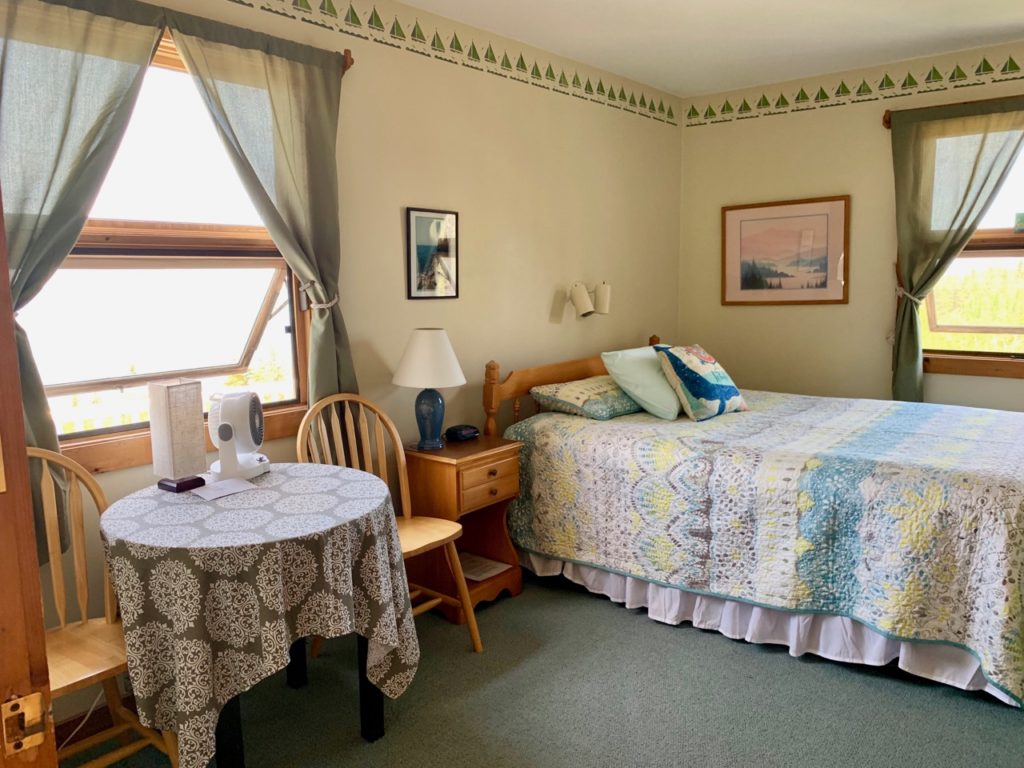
[(832, 637)]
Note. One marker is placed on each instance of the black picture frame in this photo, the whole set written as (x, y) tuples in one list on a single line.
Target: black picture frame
[(431, 254)]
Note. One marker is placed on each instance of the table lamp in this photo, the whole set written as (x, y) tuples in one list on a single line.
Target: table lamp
[(429, 362)]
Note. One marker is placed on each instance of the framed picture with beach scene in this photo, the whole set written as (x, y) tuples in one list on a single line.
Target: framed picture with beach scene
[(787, 252), (432, 254)]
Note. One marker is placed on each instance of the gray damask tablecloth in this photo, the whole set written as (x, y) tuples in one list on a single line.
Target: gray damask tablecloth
[(213, 593)]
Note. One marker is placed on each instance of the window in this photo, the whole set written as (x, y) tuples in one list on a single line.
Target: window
[(174, 275), (973, 321)]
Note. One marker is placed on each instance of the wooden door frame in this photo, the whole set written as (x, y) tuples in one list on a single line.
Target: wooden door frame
[(22, 637)]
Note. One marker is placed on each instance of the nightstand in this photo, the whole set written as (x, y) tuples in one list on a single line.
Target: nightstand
[(472, 482)]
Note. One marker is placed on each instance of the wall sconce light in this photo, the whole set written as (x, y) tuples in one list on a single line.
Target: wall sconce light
[(585, 306)]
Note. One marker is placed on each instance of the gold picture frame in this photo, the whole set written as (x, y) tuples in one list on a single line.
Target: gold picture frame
[(787, 252)]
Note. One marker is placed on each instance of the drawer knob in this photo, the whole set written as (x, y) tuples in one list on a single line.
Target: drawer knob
[(492, 473), (494, 491)]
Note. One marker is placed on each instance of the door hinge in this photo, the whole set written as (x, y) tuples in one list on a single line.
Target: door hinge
[(24, 723)]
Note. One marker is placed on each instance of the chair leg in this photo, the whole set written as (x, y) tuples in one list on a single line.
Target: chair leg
[(171, 743), (452, 555), (315, 644), (112, 694)]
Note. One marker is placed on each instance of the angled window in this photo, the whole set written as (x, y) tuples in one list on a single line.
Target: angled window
[(973, 320), (174, 275)]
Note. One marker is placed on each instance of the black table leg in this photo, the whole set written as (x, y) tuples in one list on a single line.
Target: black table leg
[(295, 672), (230, 752), (371, 700)]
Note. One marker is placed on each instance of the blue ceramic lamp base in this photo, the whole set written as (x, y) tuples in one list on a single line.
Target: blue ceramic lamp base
[(429, 418)]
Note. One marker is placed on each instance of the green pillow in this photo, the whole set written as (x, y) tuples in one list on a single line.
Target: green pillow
[(597, 397), (638, 372)]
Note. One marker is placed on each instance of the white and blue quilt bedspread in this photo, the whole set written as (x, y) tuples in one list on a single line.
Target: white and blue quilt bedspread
[(907, 517)]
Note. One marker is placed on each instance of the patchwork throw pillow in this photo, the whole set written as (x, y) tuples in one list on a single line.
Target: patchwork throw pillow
[(598, 397), (639, 373), (702, 385)]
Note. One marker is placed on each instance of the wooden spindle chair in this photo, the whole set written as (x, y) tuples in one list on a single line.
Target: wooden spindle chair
[(91, 650), (351, 431)]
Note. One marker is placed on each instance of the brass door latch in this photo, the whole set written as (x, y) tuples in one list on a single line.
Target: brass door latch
[(24, 723)]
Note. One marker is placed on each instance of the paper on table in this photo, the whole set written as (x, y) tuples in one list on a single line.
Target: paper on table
[(222, 488)]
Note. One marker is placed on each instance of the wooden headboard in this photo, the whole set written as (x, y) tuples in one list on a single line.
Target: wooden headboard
[(518, 383)]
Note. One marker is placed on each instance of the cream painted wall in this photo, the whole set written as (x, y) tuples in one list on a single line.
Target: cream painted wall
[(548, 191), (824, 350)]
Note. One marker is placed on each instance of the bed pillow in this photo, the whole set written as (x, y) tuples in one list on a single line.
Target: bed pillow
[(639, 373), (703, 387), (598, 397)]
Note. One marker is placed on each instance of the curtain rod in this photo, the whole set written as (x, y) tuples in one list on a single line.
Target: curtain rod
[(887, 115), (167, 54)]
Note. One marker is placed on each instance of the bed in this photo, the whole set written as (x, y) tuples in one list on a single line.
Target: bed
[(862, 531)]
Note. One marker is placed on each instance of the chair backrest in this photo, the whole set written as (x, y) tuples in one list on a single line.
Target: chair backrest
[(351, 431), (70, 477)]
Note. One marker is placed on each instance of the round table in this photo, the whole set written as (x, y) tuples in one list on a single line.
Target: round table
[(213, 593)]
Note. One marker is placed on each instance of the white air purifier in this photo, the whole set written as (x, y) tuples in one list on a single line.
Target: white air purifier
[(176, 431), (236, 429)]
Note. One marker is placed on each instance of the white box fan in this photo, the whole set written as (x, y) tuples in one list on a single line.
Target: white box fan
[(236, 429)]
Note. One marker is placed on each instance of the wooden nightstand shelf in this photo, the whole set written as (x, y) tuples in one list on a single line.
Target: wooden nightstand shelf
[(472, 482)]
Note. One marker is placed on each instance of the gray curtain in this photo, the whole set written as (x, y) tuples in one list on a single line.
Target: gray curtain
[(949, 162), (276, 107), (68, 83)]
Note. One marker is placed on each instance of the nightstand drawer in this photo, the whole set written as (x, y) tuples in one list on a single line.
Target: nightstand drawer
[(488, 473), (496, 490)]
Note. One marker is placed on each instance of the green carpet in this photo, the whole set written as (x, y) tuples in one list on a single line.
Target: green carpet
[(572, 679)]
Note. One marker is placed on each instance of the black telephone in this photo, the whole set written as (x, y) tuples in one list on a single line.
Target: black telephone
[(461, 432)]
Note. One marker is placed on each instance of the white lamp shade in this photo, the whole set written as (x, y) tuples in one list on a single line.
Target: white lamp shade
[(429, 362)]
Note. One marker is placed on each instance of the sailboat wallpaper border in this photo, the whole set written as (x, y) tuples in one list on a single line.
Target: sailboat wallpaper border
[(477, 51), (881, 84)]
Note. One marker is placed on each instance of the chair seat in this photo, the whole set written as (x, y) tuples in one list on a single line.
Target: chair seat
[(79, 655), (420, 534)]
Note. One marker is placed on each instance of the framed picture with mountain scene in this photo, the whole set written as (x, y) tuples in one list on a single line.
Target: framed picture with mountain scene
[(787, 252), (432, 254)]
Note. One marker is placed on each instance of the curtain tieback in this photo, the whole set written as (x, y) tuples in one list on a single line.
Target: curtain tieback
[(307, 287), (902, 294)]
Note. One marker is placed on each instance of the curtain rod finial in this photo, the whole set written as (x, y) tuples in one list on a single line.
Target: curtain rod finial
[(349, 61)]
